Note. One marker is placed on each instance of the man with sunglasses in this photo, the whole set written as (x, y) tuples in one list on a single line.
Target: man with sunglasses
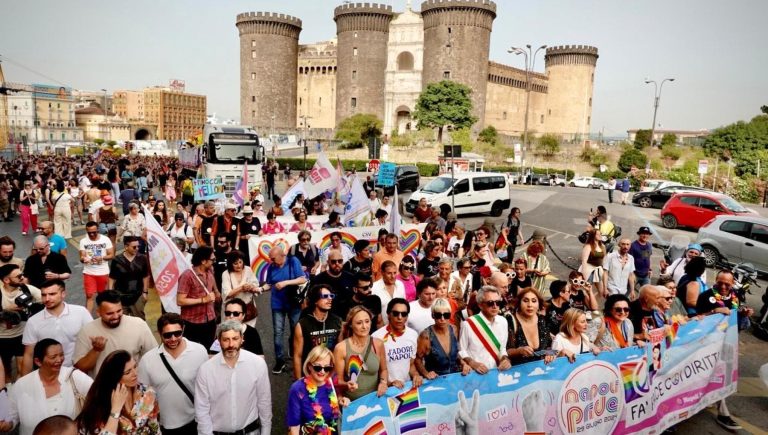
[(317, 326), (12, 286), (58, 242), (420, 317), (336, 245), (335, 277), (184, 358), (129, 275), (95, 250), (400, 345), (234, 309), (361, 295), (483, 337), (43, 264)]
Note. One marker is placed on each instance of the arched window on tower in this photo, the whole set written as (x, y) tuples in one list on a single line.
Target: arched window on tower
[(405, 61)]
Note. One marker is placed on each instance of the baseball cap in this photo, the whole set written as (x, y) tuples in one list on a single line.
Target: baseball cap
[(694, 247), (644, 230)]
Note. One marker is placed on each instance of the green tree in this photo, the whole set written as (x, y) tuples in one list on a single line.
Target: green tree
[(670, 152), (489, 135), (98, 141), (444, 103), (463, 137), (764, 109), (668, 139), (632, 157), (112, 143), (742, 141), (548, 144), (642, 139), (358, 129)]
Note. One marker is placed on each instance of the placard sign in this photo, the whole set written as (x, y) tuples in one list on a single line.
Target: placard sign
[(208, 188), (386, 174)]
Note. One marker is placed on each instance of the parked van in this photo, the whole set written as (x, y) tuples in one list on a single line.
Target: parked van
[(472, 192)]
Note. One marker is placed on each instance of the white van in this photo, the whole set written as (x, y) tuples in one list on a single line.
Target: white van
[(472, 192)]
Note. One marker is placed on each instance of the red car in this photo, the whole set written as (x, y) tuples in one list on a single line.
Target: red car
[(694, 209)]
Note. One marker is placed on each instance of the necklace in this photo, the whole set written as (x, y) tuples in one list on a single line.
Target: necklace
[(318, 425), (721, 300)]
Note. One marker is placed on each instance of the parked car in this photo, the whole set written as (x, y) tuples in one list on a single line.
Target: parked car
[(557, 180), (599, 183), (513, 177), (584, 182), (406, 178), (655, 184), (657, 198), (470, 192), (735, 239), (694, 209)]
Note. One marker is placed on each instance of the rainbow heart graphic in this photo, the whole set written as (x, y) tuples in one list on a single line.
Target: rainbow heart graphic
[(409, 240), (265, 246), (346, 238)]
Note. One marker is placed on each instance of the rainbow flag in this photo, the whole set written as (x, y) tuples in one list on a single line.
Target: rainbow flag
[(404, 402), (633, 389), (413, 420), (355, 367), (377, 429)]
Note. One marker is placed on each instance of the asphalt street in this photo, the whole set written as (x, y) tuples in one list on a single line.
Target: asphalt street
[(561, 214)]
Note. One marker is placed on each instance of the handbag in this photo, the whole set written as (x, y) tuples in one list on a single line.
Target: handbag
[(176, 378), (79, 398), (295, 293), (251, 312), (34, 209)]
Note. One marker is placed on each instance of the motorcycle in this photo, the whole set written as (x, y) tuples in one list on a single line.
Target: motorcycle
[(761, 327)]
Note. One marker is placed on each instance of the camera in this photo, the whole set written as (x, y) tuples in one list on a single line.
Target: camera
[(28, 307)]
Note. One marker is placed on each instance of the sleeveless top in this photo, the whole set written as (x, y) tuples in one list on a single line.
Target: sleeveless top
[(365, 366), (545, 338), (682, 290), (437, 361), (107, 216), (596, 257)]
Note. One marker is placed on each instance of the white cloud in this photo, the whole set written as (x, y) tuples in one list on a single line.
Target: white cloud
[(505, 380), (363, 411), (517, 375), (549, 368), (536, 372), (433, 389), (694, 331)]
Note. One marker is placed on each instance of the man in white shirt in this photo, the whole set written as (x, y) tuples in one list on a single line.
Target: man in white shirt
[(182, 356), (232, 392), (180, 229), (95, 250), (420, 317), (374, 201), (388, 287), (111, 331), (677, 269), (400, 343), (620, 267), (59, 320), (483, 337)]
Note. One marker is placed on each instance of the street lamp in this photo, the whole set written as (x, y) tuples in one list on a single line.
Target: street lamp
[(106, 127), (529, 56), (657, 96)]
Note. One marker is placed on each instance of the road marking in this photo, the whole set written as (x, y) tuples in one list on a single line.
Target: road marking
[(549, 229)]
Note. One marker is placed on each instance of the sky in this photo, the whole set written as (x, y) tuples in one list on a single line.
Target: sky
[(714, 49)]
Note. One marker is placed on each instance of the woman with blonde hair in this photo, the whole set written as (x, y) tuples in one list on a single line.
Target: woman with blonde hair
[(537, 265), (313, 406), (572, 339), (360, 361), (438, 345)]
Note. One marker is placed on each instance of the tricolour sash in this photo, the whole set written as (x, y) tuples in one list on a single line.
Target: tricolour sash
[(481, 329)]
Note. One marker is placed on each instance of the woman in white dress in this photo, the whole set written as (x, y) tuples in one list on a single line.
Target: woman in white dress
[(62, 210), (240, 282), (76, 203), (50, 390)]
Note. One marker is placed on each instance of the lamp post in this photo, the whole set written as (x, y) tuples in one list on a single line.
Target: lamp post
[(106, 127), (657, 97), (530, 55)]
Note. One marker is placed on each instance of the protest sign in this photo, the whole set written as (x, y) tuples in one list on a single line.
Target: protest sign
[(208, 188), (623, 391), (386, 176)]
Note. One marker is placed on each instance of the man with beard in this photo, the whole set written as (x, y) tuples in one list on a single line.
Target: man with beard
[(232, 390), (362, 261), (111, 331), (317, 326), (389, 253), (13, 316), (184, 358), (338, 280), (129, 275), (58, 242), (619, 267), (361, 295), (204, 225), (59, 320), (43, 264), (7, 251)]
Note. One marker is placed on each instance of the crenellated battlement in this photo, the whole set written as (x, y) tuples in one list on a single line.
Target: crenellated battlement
[(356, 8), (571, 55), (363, 17), (473, 4), (572, 49), (268, 16)]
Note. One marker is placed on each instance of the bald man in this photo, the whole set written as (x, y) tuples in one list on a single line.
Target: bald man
[(58, 242), (645, 313)]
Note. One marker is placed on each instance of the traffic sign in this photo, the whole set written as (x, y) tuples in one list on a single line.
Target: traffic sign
[(373, 165), (703, 166)]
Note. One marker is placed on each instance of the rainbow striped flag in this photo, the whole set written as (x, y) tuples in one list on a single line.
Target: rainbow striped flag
[(376, 429), (354, 367), (413, 420), (630, 378), (404, 402)]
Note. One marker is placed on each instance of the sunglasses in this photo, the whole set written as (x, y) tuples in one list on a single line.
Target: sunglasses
[(364, 287), (669, 298), (577, 281), (407, 267), (179, 219), (490, 304), (304, 239), (171, 334), (511, 275), (336, 261), (330, 296), (92, 233), (320, 369), (438, 316), (621, 310), (402, 314)]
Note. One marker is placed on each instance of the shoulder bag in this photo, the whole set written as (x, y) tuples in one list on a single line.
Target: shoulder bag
[(79, 397), (176, 378)]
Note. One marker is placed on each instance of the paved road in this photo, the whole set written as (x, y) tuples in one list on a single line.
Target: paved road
[(560, 213)]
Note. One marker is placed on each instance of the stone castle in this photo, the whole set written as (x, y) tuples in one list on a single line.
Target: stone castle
[(380, 61)]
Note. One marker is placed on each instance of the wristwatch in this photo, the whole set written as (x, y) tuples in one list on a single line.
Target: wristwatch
[(115, 415)]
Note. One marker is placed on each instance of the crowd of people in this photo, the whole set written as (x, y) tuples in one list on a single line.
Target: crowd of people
[(356, 319)]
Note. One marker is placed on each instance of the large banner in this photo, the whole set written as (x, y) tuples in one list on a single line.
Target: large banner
[(259, 247), (633, 390), (166, 262), (208, 188)]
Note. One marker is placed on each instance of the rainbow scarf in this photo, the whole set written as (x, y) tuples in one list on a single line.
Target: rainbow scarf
[(483, 332), (319, 425)]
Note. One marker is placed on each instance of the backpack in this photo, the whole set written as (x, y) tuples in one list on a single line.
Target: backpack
[(186, 226), (187, 188)]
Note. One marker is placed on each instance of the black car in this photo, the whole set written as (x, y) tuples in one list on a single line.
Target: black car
[(657, 198), (406, 178)]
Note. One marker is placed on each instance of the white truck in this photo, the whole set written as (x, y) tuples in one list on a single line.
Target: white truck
[(225, 149)]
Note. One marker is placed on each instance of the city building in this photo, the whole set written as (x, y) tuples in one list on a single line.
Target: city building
[(687, 137), (96, 125), (381, 60), (44, 115), (161, 113)]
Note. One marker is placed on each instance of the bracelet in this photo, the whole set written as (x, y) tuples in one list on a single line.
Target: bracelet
[(115, 415)]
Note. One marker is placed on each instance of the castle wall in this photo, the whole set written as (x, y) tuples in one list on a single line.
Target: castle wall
[(571, 72), (405, 59), (362, 30), (316, 96), (269, 46), (506, 96), (457, 38)]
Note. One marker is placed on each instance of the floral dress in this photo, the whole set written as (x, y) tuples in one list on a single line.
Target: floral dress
[(143, 419)]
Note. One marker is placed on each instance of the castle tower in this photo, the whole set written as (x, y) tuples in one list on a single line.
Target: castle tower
[(269, 48), (457, 39), (571, 71), (362, 30)]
